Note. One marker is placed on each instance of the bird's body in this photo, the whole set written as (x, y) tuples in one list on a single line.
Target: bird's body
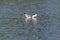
[(29, 17)]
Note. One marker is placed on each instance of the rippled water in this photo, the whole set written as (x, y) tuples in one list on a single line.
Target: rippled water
[(14, 27)]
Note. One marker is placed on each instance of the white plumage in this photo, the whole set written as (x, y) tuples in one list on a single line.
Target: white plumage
[(35, 15), (29, 17)]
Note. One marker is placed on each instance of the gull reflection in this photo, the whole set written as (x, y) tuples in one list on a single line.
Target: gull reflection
[(34, 20), (29, 18)]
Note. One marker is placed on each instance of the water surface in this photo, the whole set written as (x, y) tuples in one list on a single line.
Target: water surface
[(14, 27)]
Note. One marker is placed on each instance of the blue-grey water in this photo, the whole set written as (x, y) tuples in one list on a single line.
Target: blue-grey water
[(14, 27)]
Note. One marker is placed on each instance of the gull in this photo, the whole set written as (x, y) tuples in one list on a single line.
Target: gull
[(29, 17)]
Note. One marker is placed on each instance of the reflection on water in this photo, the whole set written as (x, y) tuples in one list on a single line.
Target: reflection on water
[(27, 20), (34, 20)]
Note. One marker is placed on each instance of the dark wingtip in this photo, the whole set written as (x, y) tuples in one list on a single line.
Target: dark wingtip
[(24, 13)]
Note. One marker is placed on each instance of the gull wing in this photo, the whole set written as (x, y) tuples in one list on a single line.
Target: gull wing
[(34, 19), (27, 16), (35, 15)]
